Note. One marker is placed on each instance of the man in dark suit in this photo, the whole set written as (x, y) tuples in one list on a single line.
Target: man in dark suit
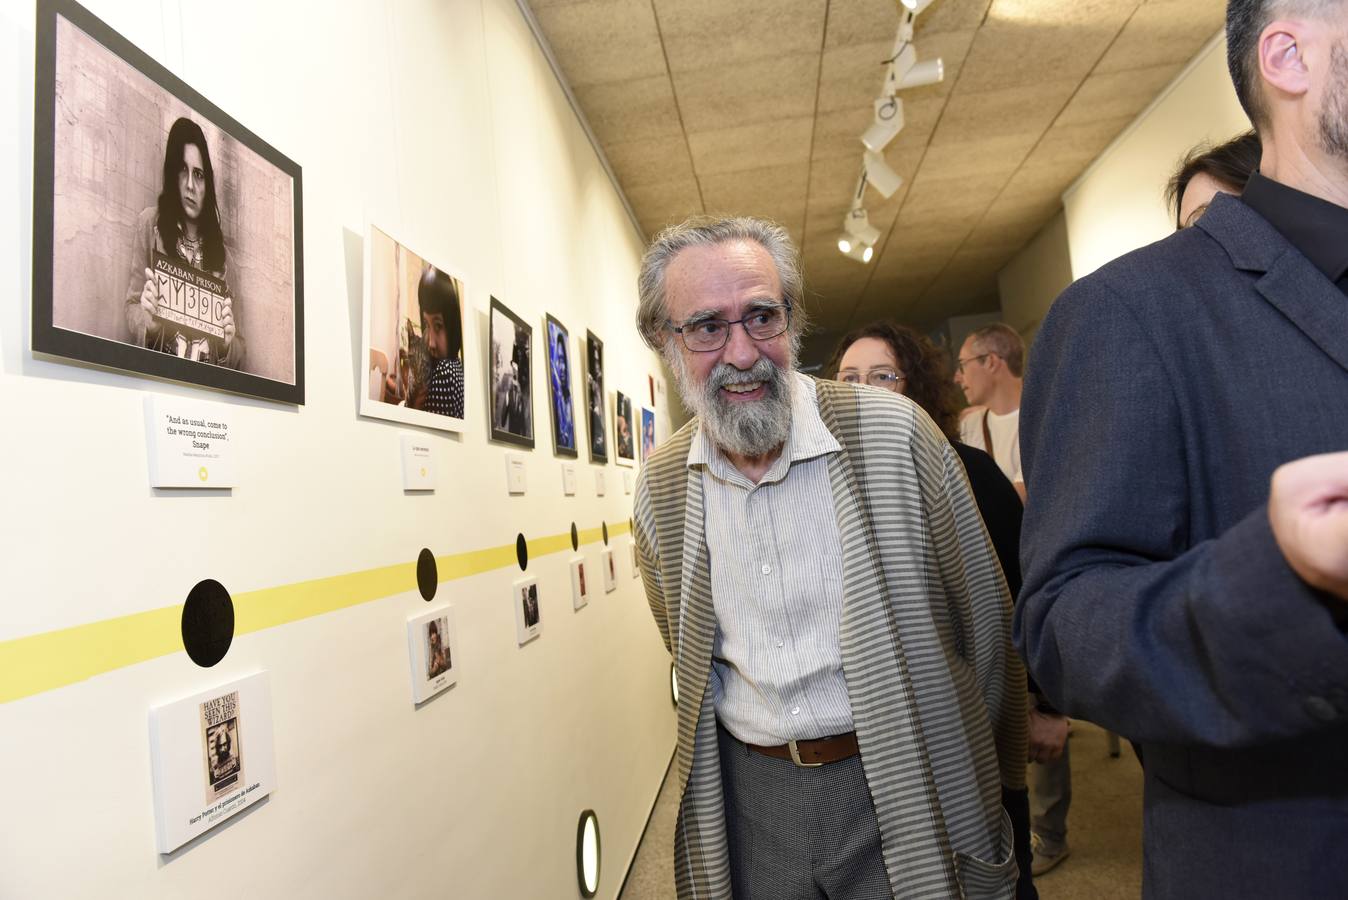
[(1168, 594)]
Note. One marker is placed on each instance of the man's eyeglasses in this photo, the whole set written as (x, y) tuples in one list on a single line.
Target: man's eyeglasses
[(882, 377), (703, 335), (961, 363)]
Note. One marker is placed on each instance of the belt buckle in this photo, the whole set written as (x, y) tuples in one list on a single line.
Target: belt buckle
[(795, 757)]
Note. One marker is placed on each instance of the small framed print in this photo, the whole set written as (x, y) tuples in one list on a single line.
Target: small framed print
[(647, 433), (610, 571), (528, 613), (512, 397), (636, 569), (580, 587), (624, 430), (431, 648), (559, 388), (594, 397)]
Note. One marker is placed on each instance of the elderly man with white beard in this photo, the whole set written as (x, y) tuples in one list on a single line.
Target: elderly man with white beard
[(850, 705)]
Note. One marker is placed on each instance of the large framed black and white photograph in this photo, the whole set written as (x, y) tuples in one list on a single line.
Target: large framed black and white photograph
[(594, 397), (559, 388), (167, 237), (512, 404), (412, 336)]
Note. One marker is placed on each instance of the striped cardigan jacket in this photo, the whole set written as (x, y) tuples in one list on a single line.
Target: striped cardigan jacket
[(936, 690)]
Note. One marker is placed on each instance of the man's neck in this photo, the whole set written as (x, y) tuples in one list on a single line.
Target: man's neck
[(1005, 397), (1316, 173), (754, 467)]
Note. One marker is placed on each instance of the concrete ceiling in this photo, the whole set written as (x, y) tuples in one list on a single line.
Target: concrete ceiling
[(756, 107)]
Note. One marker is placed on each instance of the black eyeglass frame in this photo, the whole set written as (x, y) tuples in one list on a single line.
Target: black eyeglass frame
[(785, 307), (961, 363)]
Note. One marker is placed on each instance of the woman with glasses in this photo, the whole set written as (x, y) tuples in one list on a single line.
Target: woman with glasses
[(897, 358)]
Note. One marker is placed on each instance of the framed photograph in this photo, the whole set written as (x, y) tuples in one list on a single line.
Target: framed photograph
[(431, 648), (559, 388), (636, 568), (624, 430), (595, 397), (512, 399), (580, 588), (411, 337), (528, 615), (647, 433), (167, 239), (610, 572)]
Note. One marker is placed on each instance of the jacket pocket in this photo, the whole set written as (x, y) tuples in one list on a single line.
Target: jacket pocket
[(983, 880)]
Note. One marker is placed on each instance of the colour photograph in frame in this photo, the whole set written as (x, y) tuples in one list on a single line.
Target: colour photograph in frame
[(167, 238), (560, 397), (647, 433), (511, 370), (624, 430), (432, 647), (595, 398), (411, 336), (580, 586)]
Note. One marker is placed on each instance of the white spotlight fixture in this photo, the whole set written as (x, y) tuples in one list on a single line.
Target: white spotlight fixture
[(886, 125), (858, 226), (862, 253), (880, 176), (929, 71)]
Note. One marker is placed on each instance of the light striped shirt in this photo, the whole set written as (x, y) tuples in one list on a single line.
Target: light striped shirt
[(776, 580)]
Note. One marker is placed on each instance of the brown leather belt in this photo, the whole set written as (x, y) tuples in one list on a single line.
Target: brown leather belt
[(811, 754)]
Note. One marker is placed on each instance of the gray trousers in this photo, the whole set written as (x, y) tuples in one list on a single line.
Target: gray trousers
[(1051, 797), (799, 834)]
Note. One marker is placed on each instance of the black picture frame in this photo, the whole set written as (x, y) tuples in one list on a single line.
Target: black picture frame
[(111, 344), (561, 398), (625, 434), (510, 399), (595, 399)]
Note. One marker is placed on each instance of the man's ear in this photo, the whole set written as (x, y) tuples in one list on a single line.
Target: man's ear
[(1280, 59)]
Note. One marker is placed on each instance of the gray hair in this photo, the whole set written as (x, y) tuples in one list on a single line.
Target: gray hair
[(1001, 339), (1245, 22), (706, 231)]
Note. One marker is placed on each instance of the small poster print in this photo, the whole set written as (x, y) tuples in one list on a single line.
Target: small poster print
[(528, 615), (430, 637), (624, 429), (594, 397), (580, 589), (647, 433), (512, 399), (610, 571), (559, 389), (223, 750)]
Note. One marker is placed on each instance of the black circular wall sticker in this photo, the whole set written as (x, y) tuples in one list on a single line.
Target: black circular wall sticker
[(208, 623), (428, 577), (575, 537), (605, 534), (522, 552)]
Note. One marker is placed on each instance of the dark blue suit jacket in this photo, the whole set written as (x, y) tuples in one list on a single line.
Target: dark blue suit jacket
[(1162, 393)]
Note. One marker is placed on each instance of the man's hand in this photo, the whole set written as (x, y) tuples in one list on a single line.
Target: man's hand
[(1048, 736), (1308, 508)]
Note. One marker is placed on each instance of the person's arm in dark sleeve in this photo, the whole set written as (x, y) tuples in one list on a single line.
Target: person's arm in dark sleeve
[(1120, 620)]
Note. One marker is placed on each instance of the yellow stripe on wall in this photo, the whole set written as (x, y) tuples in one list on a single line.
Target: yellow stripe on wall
[(43, 662)]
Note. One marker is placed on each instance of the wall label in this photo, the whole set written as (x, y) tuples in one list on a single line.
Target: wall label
[(190, 444), (418, 463)]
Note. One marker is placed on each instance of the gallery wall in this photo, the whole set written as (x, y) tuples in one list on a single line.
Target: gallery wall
[(440, 120)]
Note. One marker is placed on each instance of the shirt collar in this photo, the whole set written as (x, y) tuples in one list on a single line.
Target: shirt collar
[(809, 437), (1315, 227)]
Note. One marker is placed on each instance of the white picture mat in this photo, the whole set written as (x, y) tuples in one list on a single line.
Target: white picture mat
[(526, 633), (425, 685), (177, 761), (377, 409), (580, 598), (610, 573)]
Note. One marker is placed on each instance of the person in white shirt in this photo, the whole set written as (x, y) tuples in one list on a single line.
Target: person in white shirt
[(991, 370)]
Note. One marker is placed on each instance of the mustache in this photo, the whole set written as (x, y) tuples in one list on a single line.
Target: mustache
[(764, 370)]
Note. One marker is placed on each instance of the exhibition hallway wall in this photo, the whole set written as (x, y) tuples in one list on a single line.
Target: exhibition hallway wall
[(443, 124)]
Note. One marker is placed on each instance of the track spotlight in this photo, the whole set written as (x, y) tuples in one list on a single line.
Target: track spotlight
[(858, 225), (886, 124), (880, 176), (916, 6), (929, 71), (862, 253)]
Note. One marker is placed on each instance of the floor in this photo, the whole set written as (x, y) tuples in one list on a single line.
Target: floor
[(1105, 831)]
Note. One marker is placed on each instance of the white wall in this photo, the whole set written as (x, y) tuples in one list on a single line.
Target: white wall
[(440, 119), (1118, 203), (1034, 278)]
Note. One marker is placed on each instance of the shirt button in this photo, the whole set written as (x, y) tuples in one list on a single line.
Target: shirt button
[(795, 710), (781, 643), (767, 569)]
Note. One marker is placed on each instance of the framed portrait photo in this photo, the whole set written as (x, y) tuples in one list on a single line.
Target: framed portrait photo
[(167, 237), (432, 650), (559, 388), (512, 400), (528, 614), (580, 586), (647, 433), (624, 430), (411, 337), (610, 571), (595, 399)]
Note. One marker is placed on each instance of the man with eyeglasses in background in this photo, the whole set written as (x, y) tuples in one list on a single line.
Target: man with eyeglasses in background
[(811, 629)]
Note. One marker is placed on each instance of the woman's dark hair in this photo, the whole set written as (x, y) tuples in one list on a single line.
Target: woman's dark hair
[(926, 377), (184, 132), (438, 294), (1231, 164)]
